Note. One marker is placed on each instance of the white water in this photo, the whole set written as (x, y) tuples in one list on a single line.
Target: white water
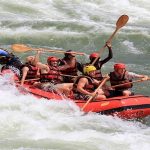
[(26, 122), (29, 123), (82, 25), (98, 15)]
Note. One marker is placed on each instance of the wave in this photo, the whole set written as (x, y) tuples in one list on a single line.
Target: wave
[(29, 123)]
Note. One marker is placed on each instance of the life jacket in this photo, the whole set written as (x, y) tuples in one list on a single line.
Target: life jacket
[(98, 75), (70, 71), (115, 80), (52, 76), (90, 87), (32, 73)]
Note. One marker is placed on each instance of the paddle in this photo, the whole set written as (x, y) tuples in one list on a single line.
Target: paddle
[(35, 79), (119, 24), (67, 75), (24, 48), (129, 83), (91, 98)]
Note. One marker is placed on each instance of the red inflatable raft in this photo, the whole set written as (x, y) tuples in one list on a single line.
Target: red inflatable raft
[(137, 106)]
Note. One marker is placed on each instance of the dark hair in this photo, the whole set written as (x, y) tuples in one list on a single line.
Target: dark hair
[(68, 54)]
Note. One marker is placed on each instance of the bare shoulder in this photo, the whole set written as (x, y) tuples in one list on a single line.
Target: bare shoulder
[(83, 80)]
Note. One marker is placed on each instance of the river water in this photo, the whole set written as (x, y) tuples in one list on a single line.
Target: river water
[(82, 25)]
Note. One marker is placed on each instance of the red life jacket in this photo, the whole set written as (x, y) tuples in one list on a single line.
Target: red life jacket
[(32, 73), (115, 80), (52, 76), (90, 87)]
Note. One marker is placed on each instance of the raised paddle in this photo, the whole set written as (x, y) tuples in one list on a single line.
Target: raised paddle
[(24, 48), (91, 98), (119, 24)]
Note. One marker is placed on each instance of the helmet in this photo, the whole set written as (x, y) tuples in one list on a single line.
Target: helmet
[(89, 68), (52, 58), (119, 66), (94, 55), (4, 53)]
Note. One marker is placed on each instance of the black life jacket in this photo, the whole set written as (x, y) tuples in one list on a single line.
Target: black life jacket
[(90, 87), (98, 75), (52, 76), (115, 80)]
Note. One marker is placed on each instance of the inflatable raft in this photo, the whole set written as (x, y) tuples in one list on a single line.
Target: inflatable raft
[(136, 106), (131, 107)]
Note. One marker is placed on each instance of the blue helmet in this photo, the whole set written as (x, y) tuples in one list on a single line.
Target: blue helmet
[(4, 53)]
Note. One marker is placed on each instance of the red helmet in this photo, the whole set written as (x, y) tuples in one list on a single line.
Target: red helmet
[(119, 66), (52, 58), (94, 55)]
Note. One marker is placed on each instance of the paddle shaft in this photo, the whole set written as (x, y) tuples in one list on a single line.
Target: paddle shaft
[(88, 101), (25, 48), (39, 78), (58, 51), (128, 83), (67, 75), (103, 48), (35, 79)]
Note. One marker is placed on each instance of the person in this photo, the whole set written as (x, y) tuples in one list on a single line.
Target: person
[(30, 69), (51, 78), (10, 62), (69, 66), (85, 85), (50, 72), (99, 63), (120, 76)]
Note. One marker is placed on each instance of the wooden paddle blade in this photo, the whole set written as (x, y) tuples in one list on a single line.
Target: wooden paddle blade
[(119, 24), (122, 21), (20, 48)]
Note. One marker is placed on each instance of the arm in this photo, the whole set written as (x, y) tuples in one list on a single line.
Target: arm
[(37, 57), (96, 82), (134, 75), (81, 84), (24, 74), (110, 54), (43, 67), (67, 65), (63, 67)]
